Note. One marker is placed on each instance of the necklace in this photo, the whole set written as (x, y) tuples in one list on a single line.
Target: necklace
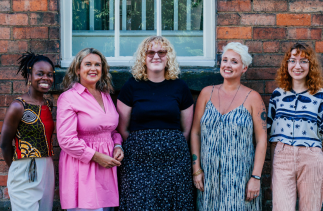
[(231, 100), (33, 101)]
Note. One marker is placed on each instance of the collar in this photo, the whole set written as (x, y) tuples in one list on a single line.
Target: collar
[(292, 91), (79, 88)]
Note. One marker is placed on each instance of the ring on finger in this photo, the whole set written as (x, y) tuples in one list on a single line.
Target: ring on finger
[(255, 195)]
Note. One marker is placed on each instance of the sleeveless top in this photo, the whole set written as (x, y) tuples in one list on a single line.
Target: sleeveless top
[(34, 133), (227, 159)]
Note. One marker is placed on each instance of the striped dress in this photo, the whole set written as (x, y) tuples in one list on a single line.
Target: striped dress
[(227, 158)]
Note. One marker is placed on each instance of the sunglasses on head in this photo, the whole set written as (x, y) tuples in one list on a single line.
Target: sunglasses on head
[(160, 53)]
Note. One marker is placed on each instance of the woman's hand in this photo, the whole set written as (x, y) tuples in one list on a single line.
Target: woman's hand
[(118, 154), (199, 181), (253, 188), (105, 160)]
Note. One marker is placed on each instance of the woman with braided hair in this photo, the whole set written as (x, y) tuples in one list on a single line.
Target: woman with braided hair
[(29, 123)]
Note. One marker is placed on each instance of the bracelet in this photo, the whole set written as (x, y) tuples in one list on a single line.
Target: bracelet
[(256, 177), (198, 172), (118, 145)]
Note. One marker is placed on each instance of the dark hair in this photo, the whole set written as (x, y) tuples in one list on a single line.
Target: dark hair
[(27, 61)]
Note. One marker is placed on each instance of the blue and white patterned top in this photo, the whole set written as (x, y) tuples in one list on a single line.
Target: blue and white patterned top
[(296, 118)]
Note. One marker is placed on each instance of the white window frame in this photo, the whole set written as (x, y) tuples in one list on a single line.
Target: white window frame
[(208, 60)]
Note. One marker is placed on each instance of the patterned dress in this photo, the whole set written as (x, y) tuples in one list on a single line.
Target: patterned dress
[(227, 158)]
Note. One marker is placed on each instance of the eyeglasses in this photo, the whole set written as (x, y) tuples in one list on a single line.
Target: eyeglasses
[(293, 62), (151, 53)]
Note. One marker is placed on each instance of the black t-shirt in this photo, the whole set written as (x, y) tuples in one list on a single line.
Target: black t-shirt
[(155, 105)]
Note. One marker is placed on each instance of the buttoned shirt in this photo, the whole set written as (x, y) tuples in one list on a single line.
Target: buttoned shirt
[(296, 118)]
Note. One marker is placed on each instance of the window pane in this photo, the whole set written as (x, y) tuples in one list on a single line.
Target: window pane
[(182, 24), (137, 21), (93, 26)]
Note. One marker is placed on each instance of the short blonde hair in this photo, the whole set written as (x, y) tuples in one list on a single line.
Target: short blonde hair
[(139, 70), (70, 78), (240, 49)]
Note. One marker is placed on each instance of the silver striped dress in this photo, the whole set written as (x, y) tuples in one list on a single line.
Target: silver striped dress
[(227, 158)]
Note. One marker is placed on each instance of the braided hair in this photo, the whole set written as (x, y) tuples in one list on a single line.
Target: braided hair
[(27, 61)]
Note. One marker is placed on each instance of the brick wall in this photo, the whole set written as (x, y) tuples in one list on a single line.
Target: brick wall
[(269, 27), (25, 25)]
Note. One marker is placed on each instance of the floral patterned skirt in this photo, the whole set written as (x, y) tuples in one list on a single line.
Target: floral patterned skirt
[(156, 172)]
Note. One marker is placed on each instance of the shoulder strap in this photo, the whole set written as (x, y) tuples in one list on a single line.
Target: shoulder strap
[(246, 97), (211, 93), (22, 101)]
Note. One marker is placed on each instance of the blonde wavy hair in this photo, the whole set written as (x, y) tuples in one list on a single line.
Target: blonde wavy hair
[(314, 80), (71, 77), (139, 69)]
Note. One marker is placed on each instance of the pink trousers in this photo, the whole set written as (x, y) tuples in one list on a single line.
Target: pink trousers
[(297, 171)]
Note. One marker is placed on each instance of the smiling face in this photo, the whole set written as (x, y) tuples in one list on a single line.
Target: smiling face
[(156, 64), (42, 76), (231, 65), (90, 70), (298, 66)]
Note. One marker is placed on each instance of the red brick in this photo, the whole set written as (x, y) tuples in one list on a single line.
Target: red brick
[(5, 33), (261, 73), (234, 5), (4, 6), (13, 19), (269, 33), (317, 20), (228, 19), (254, 46), (30, 33), (267, 60), (3, 46), (54, 58), (19, 87), (222, 43), (319, 47), (304, 33), (17, 46), (3, 167), (5, 87), (270, 86), (258, 19), (53, 5), (29, 5), (6, 100), (258, 86), (9, 73), (286, 45), (54, 33), (293, 19), (234, 32), (266, 99), (270, 6), (5, 193), (44, 18), (10, 59), (271, 47), (306, 6), (1, 123), (44, 46), (3, 180)]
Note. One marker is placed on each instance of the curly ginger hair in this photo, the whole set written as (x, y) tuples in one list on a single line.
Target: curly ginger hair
[(314, 80)]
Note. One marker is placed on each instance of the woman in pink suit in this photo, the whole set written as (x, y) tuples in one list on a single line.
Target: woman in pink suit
[(91, 147)]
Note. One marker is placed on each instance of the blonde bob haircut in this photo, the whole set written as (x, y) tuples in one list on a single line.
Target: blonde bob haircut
[(240, 49), (139, 69), (71, 77)]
